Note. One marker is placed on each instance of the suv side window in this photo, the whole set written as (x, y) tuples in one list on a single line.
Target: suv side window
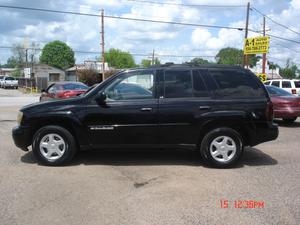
[(286, 84), (133, 85), (199, 87), (267, 83), (236, 84), (178, 84), (275, 83), (297, 84)]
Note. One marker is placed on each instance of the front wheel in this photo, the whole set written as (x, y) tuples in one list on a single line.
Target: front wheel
[(53, 146), (222, 147)]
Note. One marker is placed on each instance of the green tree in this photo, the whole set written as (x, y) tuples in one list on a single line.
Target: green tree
[(234, 56), (198, 61), (290, 71), (119, 59), (147, 62), (57, 54)]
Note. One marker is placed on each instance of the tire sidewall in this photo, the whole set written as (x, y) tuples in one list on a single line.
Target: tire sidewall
[(210, 136), (69, 143)]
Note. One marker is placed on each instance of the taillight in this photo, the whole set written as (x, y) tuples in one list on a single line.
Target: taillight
[(269, 111), (294, 91)]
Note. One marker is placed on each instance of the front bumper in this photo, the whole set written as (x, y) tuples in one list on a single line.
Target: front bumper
[(22, 137)]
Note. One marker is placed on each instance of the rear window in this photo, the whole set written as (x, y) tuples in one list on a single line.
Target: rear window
[(267, 83), (178, 84), (286, 84), (275, 91), (199, 88), (236, 84), (275, 83), (297, 84), (74, 87)]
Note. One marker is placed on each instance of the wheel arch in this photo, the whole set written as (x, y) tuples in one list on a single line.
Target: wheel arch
[(66, 122), (237, 125)]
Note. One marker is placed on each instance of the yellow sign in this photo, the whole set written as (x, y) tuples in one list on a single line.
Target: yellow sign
[(262, 77), (256, 45)]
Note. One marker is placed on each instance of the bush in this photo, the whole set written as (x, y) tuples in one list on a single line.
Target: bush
[(89, 76)]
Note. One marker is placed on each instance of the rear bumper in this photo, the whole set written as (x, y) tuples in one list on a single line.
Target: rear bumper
[(286, 113), (22, 137), (263, 133)]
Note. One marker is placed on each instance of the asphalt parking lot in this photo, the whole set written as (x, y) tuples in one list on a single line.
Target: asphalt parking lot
[(147, 187)]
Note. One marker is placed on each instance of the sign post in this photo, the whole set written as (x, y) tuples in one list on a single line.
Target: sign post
[(257, 45)]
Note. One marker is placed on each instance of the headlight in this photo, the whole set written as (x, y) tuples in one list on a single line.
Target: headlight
[(20, 117)]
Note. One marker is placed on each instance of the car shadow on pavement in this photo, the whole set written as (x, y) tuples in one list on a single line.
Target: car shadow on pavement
[(281, 123), (251, 157)]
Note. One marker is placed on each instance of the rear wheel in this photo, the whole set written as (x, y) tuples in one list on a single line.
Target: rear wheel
[(53, 146), (289, 120), (222, 147)]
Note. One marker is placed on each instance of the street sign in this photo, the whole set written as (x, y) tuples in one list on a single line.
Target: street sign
[(262, 77), (256, 45), (27, 72)]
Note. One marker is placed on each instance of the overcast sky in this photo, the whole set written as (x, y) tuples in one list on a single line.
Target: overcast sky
[(83, 33)]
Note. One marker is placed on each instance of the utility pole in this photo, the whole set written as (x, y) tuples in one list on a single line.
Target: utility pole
[(245, 61), (153, 55), (102, 45), (264, 54), (26, 57)]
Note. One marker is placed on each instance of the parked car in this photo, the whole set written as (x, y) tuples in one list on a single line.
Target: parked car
[(1, 78), (291, 86), (63, 90), (9, 82), (215, 109), (286, 105)]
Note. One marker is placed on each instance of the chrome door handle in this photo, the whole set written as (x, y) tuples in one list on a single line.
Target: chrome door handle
[(204, 107), (146, 109)]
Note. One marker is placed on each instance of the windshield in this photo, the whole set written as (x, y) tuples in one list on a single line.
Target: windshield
[(275, 91)]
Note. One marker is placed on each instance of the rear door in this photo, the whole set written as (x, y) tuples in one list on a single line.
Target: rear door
[(183, 99), (287, 85), (297, 86)]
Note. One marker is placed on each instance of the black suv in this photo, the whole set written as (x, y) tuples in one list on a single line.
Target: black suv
[(215, 109)]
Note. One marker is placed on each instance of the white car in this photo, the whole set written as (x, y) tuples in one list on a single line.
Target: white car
[(9, 82), (292, 86)]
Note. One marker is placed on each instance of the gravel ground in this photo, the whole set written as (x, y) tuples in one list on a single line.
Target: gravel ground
[(148, 187)]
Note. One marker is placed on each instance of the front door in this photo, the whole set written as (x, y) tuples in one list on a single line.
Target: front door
[(129, 117)]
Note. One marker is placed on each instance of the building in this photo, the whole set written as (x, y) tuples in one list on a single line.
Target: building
[(71, 74), (44, 75), (6, 71), (271, 73)]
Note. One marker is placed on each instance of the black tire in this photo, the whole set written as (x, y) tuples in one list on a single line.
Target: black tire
[(289, 120), (205, 147), (70, 145)]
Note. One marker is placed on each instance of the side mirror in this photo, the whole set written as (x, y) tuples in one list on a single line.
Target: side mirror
[(101, 98), (43, 91)]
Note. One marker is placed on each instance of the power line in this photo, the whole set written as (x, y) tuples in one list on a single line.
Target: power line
[(282, 25), (135, 54), (187, 5), (122, 18), (143, 20)]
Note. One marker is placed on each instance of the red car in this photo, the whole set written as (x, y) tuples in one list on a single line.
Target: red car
[(286, 105), (63, 90)]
